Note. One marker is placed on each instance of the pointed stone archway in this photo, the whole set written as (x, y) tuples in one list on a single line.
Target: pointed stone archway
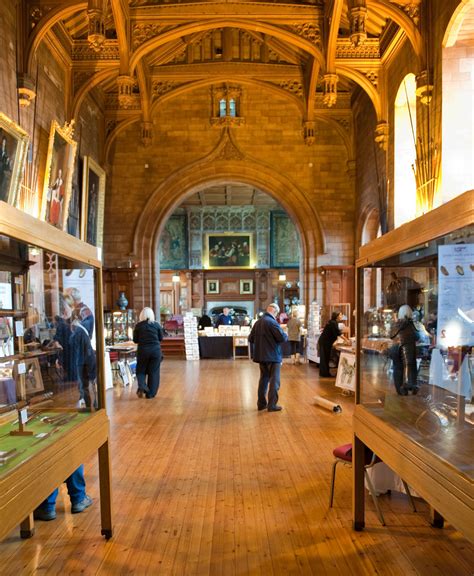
[(213, 170)]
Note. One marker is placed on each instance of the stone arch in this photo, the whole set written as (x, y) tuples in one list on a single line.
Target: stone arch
[(198, 175), (368, 225)]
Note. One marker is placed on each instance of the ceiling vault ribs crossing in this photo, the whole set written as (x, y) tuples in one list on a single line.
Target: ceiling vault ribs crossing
[(142, 53)]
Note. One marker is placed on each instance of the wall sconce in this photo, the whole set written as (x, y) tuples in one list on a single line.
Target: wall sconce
[(175, 278), (281, 277)]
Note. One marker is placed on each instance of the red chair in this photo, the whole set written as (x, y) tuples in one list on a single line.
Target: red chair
[(171, 325), (343, 454)]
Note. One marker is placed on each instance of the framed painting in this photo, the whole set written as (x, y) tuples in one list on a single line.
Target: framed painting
[(173, 247), (212, 286), (13, 150), (74, 218), (228, 250), (246, 286), (32, 372), (58, 176), (93, 201)]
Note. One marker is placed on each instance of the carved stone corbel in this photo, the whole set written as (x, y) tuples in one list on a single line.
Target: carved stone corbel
[(381, 135), (357, 17), (147, 133), (26, 90), (309, 133), (424, 90), (125, 91), (330, 89), (96, 32)]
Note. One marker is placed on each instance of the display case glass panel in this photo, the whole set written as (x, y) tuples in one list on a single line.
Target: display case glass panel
[(119, 326), (416, 344), (48, 365)]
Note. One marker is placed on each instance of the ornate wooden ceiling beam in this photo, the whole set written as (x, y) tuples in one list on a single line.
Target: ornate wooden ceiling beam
[(95, 80), (330, 77), (291, 38), (55, 15), (120, 11), (310, 82)]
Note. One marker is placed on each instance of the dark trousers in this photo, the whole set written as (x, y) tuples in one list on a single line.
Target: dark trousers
[(324, 356), (269, 374), (76, 488), (148, 371)]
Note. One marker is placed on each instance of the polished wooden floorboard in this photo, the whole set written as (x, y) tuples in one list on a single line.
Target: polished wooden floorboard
[(203, 483)]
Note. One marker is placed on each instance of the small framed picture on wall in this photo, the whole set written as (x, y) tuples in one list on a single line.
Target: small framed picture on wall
[(212, 286), (246, 286)]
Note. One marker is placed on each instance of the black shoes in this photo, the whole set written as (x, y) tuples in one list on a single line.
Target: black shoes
[(260, 408), (275, 408)]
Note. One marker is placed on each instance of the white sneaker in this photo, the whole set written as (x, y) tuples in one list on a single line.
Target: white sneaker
[(81, 403)]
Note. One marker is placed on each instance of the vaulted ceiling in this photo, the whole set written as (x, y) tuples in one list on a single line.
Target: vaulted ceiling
[(140, 53)]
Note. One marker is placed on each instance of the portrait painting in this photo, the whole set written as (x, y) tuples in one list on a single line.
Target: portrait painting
[(284, 241), (58, 176), (173, 247), (13, 150), (93, 201), (212, 286), (246, 286), (228, 250), (74, 219)]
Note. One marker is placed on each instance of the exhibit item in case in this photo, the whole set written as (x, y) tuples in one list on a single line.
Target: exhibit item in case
[(415, 345), (52, 398), (119, 326)]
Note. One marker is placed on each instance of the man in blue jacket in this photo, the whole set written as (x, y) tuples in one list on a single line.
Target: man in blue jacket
[(266, 337)]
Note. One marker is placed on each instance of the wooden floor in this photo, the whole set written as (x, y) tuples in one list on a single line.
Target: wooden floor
[(205, 484)]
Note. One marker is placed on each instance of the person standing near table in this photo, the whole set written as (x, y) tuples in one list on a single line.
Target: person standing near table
[(294, 327), (267, 337), (328, 336), (148, 334), (224, 319)]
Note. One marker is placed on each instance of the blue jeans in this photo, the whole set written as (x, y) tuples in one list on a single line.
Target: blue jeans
[(76, 487), (269, 374)]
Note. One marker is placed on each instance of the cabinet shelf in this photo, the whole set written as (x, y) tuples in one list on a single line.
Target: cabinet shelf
[(16, 313)]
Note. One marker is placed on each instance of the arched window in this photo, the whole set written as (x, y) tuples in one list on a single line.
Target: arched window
[(405, 151), (222, 107), (458, 103)]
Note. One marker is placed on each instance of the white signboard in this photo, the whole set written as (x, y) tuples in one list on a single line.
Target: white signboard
[(455, 295)]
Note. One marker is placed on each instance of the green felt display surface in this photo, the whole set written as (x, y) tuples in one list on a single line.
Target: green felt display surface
[(28, 446)]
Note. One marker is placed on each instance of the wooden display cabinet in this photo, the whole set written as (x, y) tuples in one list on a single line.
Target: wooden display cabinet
[(119, 326), (52, 292), (422, 431)]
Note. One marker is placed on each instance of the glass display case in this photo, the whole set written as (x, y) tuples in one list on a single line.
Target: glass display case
[(52, 399), (119, 326), (416, 363)]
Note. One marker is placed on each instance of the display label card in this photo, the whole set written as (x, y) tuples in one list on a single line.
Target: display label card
[(21, 368), (455, 295), (19, 328), (23, 416)]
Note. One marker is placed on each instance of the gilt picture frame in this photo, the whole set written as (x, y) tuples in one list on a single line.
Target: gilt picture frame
[(13, 151), (58, 175), (212, 286), (93, 202), (246, 286), (228, 250)]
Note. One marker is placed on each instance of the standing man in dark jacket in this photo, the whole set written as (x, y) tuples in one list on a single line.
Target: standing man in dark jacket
[(266, 336), (148, 334)]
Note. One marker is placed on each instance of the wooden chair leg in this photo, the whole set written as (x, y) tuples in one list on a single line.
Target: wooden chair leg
[(410, 497), (374, 498), (333, 481)]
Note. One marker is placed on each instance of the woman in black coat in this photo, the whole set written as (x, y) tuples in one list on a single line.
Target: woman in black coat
[(326, 340), (148, 334)]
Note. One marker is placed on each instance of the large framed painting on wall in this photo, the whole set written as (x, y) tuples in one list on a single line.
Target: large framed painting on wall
[(13, 149), (228, 250), (93, 200), (284, 241), (58, 176), (74, 217), (173, 247)]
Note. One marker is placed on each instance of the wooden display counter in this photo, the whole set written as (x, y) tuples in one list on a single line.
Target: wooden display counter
[(25, 482)]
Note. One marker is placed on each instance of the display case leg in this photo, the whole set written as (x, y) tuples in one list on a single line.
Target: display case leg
[(105, 491), (436, 520), (358, 495), (27, 527)]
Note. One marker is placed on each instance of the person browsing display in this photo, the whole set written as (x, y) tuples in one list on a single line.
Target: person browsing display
[(148, 334), (267, 337)]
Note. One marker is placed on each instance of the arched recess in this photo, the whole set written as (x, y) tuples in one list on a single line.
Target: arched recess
[(368, 229), (199, 175), (368, 226)]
